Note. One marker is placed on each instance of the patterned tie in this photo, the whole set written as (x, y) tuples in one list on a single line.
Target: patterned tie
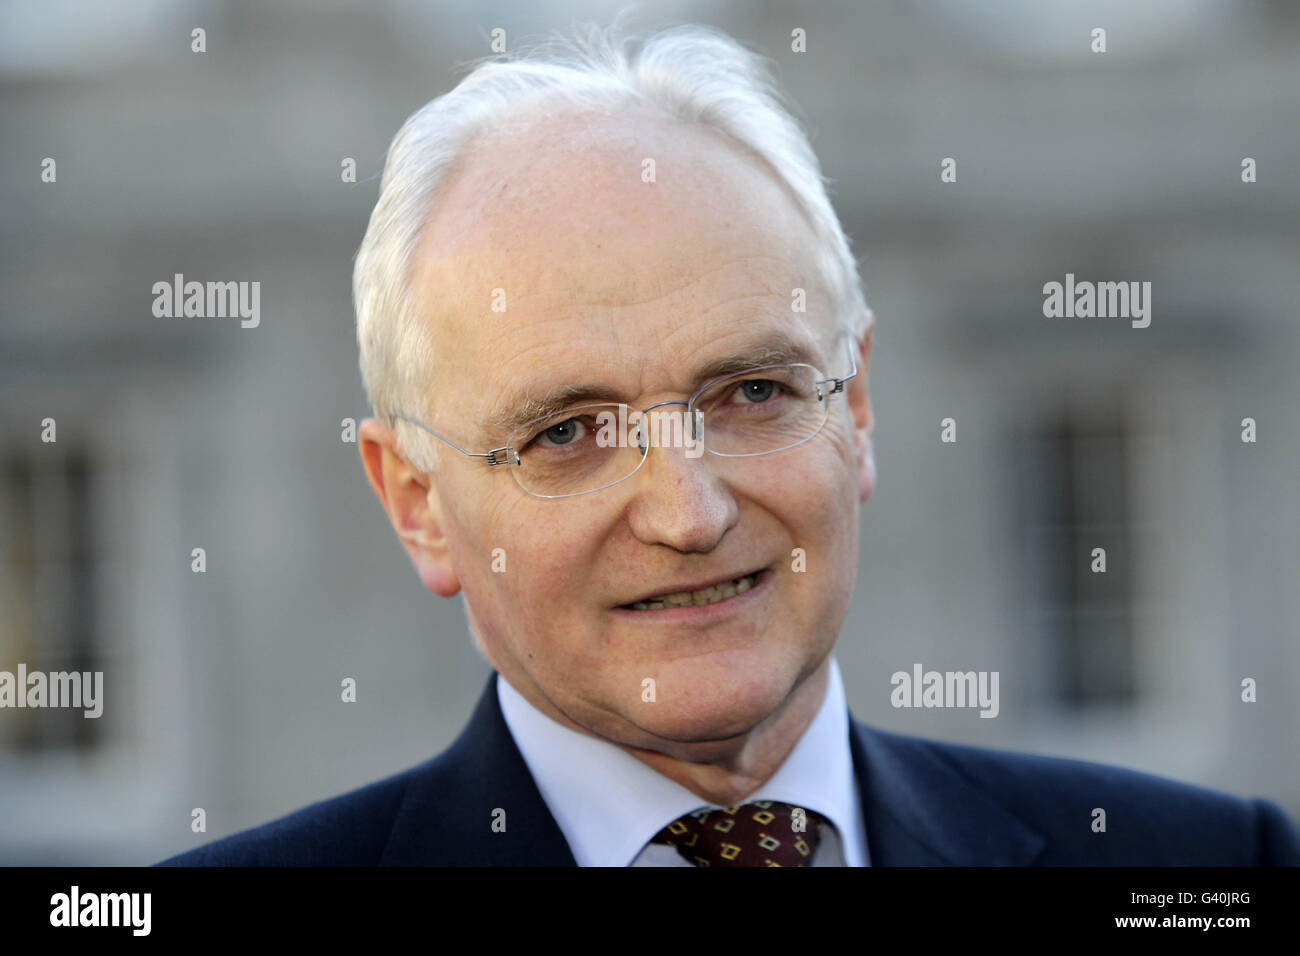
[(756, 834)]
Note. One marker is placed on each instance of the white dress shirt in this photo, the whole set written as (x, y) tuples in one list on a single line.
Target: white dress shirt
[(609, 805)]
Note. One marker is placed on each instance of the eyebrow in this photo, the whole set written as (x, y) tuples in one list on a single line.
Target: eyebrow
[(776, 349)]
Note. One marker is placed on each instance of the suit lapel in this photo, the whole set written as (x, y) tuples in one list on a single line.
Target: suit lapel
[(920, 810), (447, 812)]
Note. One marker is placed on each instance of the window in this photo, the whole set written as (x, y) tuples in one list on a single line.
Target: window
[(1074, 498), (48, 576)]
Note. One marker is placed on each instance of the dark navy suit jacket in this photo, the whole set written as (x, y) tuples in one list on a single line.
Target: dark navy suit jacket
[(925, 803)]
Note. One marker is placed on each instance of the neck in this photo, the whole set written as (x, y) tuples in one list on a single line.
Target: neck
[(722, 772)]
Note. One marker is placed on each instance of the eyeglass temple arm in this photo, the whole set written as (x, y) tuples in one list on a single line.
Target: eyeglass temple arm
[(853, 360), (494, 456)]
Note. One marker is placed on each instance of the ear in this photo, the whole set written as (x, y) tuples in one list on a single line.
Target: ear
[(411, 501), (863, 420)]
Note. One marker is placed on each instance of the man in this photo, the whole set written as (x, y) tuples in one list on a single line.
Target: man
[(618, 351)]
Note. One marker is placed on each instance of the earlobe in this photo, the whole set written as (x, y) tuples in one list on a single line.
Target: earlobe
[(432, 560), (436, 573), (867, 471)]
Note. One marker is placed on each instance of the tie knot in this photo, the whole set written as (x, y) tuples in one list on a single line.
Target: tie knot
[(763, 833)]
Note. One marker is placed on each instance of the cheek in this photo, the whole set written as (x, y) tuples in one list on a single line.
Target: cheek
[(522, 568), (812, 490), (813, 497), (494, 537)]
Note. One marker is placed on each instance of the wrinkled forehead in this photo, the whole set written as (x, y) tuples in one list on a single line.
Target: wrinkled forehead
[(580, 241)]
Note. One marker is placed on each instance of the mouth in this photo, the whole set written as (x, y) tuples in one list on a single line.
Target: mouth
[(698, 597)]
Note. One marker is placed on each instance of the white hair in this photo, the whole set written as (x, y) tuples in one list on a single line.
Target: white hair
[(692, 73)]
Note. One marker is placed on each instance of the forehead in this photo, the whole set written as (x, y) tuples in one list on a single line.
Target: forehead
[(629, 233)]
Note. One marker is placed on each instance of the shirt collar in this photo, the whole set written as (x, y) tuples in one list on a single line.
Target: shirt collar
[(608, 824)]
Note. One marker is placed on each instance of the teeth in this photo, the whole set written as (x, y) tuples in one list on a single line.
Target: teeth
[(719, 592)]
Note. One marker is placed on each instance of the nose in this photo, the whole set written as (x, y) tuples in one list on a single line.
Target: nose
[(679, 501)]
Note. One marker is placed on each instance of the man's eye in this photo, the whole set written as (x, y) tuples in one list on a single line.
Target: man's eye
[(756, 390), (561, 433)]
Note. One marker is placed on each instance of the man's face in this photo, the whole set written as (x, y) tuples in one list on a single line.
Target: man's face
[(634, 286)]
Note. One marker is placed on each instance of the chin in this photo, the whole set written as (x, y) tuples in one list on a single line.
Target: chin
[(716, 702)]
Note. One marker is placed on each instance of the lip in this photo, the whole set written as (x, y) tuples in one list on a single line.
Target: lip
[(699, 586), (705, 613)]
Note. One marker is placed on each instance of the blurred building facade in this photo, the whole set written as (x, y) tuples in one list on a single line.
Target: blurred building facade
[(222, 688)]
